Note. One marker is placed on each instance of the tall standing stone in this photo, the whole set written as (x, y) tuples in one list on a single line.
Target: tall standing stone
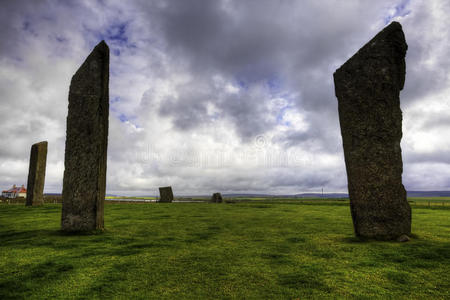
[(165, 194), (36, 174), (84, 181), (368, 90), (217, 198)]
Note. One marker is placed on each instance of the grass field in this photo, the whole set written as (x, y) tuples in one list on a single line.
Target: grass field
[(127, 197), (215, 251)]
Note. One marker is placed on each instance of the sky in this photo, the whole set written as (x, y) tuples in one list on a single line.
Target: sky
[(223, 96)]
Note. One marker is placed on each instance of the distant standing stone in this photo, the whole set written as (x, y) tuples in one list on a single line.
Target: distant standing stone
[(84, 181), (36, 174), (368, 90), (217, 198), (165, 194), (403, 238)]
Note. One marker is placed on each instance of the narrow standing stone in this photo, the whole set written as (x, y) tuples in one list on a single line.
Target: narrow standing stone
[(165, 194), (216, 198), (368, 90), (36, 174), (84, 181)]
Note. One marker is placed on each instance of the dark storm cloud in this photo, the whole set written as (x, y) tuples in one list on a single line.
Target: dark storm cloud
[(189, 113), (248, 110), (213, 36), (439, 122), (438, 156), (15, 21), (251, 42)]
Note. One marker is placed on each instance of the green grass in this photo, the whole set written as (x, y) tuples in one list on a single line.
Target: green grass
[(215, 251), (439, 199), (429, 201)]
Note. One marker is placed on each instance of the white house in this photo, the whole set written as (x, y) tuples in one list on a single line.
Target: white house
[(15, 192)]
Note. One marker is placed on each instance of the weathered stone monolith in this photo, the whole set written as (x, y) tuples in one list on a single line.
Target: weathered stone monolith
[(368, 91), (217, 198), (36, 174), (165, 194), (86, 144)]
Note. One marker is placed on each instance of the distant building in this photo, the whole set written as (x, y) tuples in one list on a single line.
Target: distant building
[(15, 192)]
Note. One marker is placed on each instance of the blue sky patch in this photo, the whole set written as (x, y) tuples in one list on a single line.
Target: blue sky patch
[(116, 32), (400, 10), (123, 118), (274, 83)]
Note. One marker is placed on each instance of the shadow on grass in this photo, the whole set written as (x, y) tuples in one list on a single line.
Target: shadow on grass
[(418, 253), (104, 285), (16, 238), (32, 277), (96, 243), (360, 239), (309, 278), (23, 282), (37, 275), (205, 235)]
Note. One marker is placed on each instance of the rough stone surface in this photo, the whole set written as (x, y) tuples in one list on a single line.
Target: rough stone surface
[(84, 181), (368, 87), (36, 174), (165, 194), (217, 198)]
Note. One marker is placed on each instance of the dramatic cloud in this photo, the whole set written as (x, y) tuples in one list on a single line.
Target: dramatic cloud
[(229, 96)]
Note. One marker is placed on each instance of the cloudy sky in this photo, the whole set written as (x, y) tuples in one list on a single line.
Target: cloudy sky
[(226, 95)]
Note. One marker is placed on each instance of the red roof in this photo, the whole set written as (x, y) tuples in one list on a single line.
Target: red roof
[(15, 189)]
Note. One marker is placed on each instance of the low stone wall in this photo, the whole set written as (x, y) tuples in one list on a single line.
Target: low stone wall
[(21, 200)]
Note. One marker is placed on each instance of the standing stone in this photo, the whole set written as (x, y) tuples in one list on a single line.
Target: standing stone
[(217, 198), (368, 87), (165, 194), (36, 174), (84, 181)]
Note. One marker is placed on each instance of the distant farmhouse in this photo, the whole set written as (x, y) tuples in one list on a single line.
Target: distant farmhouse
[(15, 192)]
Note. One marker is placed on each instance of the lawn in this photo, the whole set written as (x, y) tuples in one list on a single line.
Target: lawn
[(215, 251)]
